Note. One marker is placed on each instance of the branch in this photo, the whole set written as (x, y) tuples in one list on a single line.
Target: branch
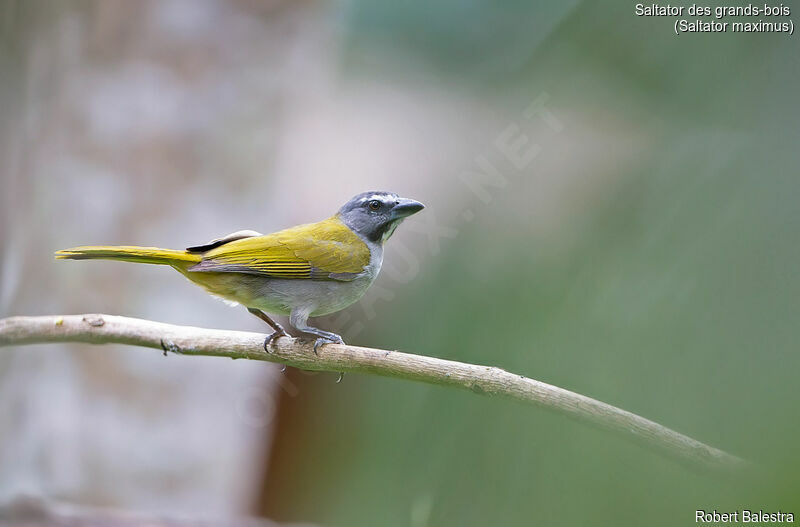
[(487, 380)]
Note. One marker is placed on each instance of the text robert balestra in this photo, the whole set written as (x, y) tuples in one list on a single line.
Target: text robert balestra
[(743, 516)]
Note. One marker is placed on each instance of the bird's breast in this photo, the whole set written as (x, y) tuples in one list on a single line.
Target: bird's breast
[(375, 261)]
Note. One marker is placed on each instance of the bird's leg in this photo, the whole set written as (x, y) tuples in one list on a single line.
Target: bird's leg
[(279, 331), (298, 319)]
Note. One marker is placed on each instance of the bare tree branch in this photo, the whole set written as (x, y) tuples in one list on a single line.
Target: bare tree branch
[(487, 380)]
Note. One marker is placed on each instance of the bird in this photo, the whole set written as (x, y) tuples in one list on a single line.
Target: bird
[(305, 271)]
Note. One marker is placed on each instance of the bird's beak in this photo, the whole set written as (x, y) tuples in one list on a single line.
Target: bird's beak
[(406, 207)]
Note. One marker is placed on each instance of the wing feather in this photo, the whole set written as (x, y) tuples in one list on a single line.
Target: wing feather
[(327, 250), (213, 244)]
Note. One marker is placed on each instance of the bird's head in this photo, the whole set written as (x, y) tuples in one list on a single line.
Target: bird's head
[(375, 215)]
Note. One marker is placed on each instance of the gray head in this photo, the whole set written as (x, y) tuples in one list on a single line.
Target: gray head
[(375, 215)]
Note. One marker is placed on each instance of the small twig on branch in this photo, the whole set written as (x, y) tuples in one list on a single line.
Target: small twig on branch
[(103, 329)]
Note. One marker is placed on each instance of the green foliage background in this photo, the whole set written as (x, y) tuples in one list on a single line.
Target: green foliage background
[(674, 295)]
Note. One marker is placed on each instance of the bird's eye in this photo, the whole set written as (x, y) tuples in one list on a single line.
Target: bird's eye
[(374, 204)]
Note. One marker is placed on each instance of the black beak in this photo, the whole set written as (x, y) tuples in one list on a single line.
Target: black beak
[(406, 207)]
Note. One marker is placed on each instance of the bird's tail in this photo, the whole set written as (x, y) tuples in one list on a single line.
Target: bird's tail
[(126, 253)]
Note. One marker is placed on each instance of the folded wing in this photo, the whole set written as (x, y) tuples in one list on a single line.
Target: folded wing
[(326, 250)]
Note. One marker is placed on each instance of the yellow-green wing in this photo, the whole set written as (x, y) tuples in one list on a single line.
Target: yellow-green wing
[(327, 250)]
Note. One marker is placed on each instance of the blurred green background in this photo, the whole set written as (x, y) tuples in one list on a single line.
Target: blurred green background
[(646, 255)]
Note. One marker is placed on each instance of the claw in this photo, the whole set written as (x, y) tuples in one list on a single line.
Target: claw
[(271, 338), (283, 369), (341, 376), (278, 329), (332, 339)]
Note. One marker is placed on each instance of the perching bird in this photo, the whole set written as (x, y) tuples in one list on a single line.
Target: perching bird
[(305, 271)]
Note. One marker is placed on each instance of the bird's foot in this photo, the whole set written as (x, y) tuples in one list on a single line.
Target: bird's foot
[(271, 338), (330, 338), (278, 330)]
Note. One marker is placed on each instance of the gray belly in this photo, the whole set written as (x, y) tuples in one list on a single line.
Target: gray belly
[(281, 296), (316, 297)]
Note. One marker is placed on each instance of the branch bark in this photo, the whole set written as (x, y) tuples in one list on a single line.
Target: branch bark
[(486, 380)]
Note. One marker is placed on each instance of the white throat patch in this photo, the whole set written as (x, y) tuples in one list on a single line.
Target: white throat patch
[(390, 230)]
